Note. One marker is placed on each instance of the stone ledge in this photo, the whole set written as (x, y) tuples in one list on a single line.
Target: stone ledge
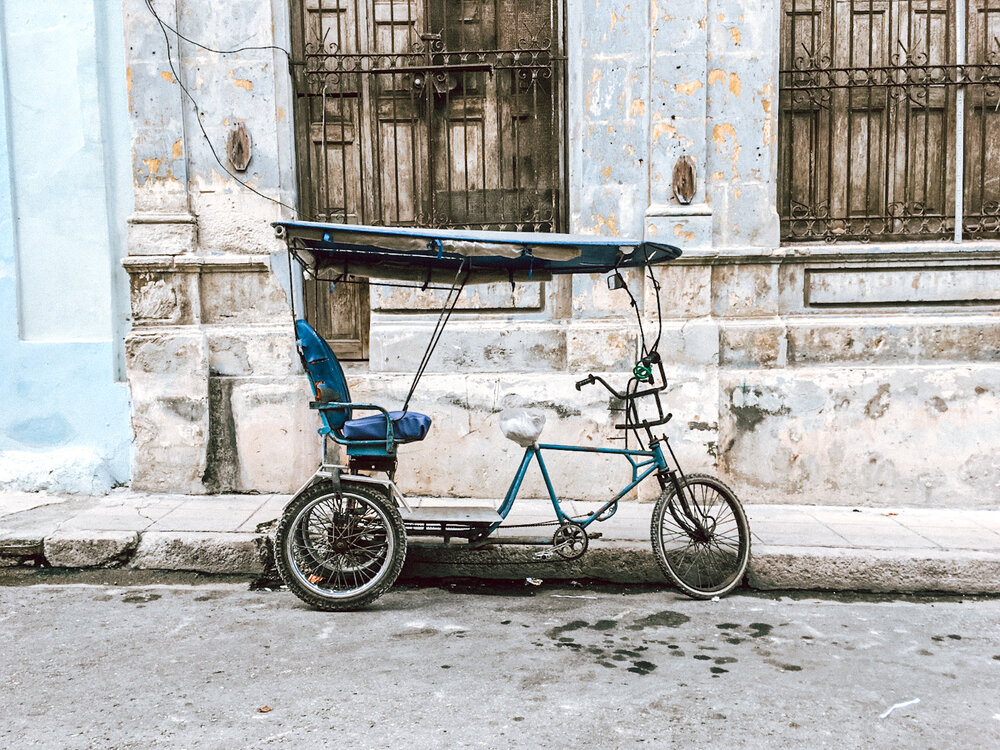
[(213, 553), (88, 549), (895, 571)]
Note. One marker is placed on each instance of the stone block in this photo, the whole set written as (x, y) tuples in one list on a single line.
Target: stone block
[(481, 297), (852, 340), (601, 347), (744, 290), (258, 351), (153, 233), (241, 296), (163, 297), (752, 345), (969, 340), (277, 447), (89, 549), (685, 290), (168, 375), (593, 299), (516, 345), (947, 571), (216, 553)]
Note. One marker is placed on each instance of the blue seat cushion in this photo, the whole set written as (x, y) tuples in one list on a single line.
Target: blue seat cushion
[(407, 427)]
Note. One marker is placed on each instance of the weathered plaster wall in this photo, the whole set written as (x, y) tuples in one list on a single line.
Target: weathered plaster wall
[(850, 375), (63, 200)]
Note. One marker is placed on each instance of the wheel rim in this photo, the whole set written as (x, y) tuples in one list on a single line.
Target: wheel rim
[(713, 557), (340, 545)]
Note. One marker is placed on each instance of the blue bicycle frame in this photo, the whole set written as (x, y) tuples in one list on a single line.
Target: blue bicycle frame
[(644, 463)]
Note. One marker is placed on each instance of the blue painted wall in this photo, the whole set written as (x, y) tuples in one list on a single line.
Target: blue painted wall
[(65, 195)]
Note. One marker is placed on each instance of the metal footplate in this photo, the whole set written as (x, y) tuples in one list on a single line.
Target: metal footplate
[(448, 520)]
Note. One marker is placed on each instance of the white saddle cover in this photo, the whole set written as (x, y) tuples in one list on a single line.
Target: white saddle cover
[(523, 426)]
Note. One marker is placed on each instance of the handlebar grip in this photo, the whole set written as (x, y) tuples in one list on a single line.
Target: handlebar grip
[(586, 381)]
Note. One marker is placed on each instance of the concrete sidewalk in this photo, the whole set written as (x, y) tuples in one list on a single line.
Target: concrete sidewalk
[(794, 547)]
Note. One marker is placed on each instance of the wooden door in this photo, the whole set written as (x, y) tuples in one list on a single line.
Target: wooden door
[(441, 113)]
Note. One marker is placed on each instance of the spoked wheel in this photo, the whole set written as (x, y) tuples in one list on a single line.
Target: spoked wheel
[(703, 544), (340, 550)]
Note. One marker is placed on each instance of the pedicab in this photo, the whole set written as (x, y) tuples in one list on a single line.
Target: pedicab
[(341, 540)]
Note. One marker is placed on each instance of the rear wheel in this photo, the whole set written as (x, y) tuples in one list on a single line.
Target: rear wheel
[(341, 549), (703, 544)]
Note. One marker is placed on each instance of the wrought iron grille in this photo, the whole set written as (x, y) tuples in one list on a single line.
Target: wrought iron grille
[(889, 126), (444, 113)]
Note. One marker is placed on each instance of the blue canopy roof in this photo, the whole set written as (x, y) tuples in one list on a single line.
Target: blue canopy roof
[(445, 254)]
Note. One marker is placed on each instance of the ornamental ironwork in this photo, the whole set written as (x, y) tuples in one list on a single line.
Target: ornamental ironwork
[(889, 126)]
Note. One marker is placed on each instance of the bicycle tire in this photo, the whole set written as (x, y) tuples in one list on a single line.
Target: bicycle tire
[(340, 550), (701, 565)]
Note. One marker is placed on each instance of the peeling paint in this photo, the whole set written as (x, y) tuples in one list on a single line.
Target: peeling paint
[(716, 76), (178, 148), (735, 85), (735, 34), (687, 88), (681, 234), (660, 127), (167, 76), (638, 107), (720, 133)]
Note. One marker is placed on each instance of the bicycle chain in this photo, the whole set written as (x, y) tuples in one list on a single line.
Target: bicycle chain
[(531, 561)]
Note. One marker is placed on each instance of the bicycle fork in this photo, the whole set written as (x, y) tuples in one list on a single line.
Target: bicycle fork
[(689, 515)]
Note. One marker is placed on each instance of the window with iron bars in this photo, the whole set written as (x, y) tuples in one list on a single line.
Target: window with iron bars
[(435, 113), (889, 126)]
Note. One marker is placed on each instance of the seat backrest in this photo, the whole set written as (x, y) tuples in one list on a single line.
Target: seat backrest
[(325, 373)]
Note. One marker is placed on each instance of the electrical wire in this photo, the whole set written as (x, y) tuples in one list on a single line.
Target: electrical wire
[(164, 28), (149, 4)]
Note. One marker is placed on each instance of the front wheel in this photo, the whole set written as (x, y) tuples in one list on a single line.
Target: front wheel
[(340, 550), (701, 541)]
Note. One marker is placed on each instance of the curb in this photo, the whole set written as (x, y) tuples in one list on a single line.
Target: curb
[(771, 567)]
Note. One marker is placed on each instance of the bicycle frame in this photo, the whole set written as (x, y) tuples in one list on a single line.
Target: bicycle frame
[(655, 462)]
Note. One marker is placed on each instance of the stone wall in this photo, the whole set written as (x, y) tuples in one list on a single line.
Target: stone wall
[(853, 375)]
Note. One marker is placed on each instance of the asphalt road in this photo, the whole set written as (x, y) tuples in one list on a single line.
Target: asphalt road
[(219, 666)]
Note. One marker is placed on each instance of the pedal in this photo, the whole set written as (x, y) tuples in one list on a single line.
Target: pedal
[(545, 554)]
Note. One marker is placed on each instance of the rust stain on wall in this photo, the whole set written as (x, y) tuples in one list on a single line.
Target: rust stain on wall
[(178, 149), (638, 107), (735, 34), (716, 76), (243, 83)]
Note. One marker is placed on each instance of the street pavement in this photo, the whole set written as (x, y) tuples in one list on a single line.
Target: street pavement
[(799, 547), (494, 665)]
